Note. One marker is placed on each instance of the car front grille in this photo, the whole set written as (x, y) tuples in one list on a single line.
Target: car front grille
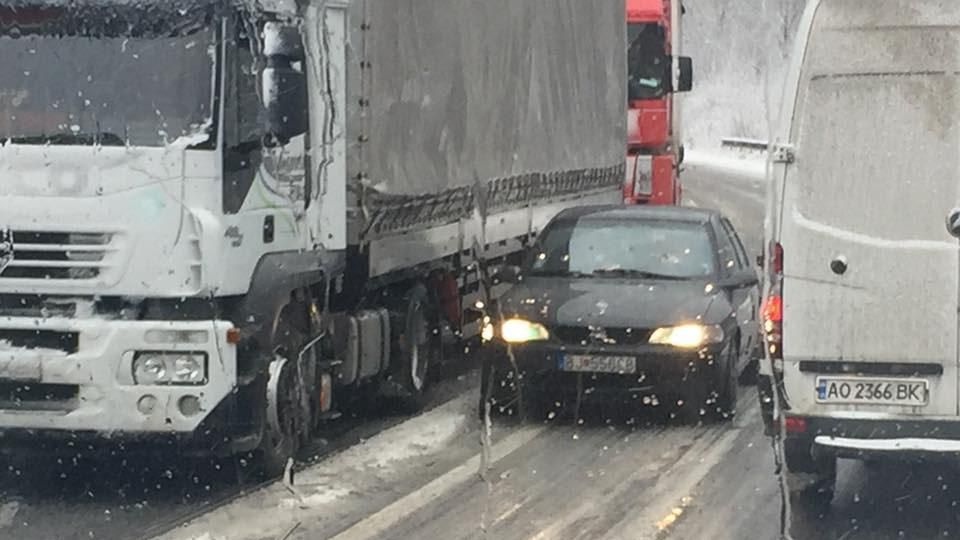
[(592, 335)]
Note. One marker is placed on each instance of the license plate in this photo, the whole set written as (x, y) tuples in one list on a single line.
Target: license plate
[(599, 364), (868, 391)]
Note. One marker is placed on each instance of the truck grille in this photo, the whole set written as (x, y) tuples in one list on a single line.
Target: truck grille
[(55, 255), (67, 342), (38, 397)]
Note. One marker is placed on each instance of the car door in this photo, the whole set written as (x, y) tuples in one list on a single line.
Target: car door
[(750, 326), (733, 263)]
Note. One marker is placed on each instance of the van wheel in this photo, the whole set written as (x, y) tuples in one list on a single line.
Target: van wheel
[(812, 496), (418, 346), (811, 481)]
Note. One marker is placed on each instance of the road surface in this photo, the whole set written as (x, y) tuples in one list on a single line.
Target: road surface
[(606, 475)]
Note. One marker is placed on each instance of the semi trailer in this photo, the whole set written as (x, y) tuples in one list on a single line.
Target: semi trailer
[(220, 220)]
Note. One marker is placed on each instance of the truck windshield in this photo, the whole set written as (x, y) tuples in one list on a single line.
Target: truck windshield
[(646, 61), (62, 83)]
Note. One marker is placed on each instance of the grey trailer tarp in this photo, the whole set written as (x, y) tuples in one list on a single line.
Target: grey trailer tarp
[(467, 105)]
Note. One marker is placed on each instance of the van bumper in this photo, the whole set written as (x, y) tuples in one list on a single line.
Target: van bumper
[(869, 439)]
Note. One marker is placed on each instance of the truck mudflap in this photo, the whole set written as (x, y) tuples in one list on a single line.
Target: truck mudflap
[(149, 377)]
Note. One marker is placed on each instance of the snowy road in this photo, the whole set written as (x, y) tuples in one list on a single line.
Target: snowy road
[(418, 478)]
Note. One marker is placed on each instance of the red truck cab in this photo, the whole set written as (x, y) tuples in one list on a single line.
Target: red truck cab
[(654, 75)]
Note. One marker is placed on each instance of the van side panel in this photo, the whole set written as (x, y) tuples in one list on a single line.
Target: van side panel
[(876, 134)]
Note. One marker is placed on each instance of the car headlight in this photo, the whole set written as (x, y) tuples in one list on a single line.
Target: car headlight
[(161, 368), (687, 336), (522, 331)]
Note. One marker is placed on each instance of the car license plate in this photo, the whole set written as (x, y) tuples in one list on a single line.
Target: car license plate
[(869, 391), (599, 364)]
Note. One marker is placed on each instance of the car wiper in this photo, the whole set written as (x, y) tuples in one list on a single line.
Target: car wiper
[(642, 274), (560, 273), (68, 139)]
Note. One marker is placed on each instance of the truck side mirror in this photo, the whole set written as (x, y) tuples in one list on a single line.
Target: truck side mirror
[(285, 96), (284, 83), (685, 77)]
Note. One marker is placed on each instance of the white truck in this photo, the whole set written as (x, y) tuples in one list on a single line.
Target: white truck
[(222, 218), (861, 309)]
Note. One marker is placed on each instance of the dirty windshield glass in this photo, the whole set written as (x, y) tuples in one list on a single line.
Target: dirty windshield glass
[(479, 270), (62, 87)]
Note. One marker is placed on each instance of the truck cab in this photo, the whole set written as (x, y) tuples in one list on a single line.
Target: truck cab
[(654, 75)]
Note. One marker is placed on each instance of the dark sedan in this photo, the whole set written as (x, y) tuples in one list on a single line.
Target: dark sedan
[(655, 305)]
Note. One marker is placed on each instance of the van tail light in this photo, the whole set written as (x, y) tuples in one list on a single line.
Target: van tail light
[(772, 311), (795, 424), (773, 325)]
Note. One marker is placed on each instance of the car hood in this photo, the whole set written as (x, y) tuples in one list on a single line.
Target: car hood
[(615, 303)]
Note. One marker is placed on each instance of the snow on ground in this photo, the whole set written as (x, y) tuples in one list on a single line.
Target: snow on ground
[(371, 467)]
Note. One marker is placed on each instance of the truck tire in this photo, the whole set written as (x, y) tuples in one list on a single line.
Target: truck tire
[(417, 347), (281, 437), (285, 426)]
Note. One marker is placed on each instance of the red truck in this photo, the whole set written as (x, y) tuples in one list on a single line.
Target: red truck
[(654, 75)]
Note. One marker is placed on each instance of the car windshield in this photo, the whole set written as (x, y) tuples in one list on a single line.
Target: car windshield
[(624, 248), (101, 86)]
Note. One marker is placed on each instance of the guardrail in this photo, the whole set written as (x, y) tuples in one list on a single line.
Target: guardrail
[(748, 144)]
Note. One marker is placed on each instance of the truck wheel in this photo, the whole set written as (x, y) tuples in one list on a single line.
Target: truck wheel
[(417, 347), (281, 431), (287, 424)]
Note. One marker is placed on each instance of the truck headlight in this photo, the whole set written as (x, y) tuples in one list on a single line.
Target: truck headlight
[(522, 331), (687, 336), (165, 368)]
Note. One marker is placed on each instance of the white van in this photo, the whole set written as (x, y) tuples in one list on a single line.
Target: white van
[(862, 275)]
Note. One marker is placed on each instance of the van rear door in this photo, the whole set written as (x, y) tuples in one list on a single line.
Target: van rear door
[(871, 274)]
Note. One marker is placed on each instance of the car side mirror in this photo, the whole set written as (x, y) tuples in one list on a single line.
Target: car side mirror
[(740, 280), (507, 274), (685, 74)]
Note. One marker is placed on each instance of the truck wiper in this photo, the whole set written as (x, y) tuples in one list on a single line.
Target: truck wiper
[(69, 139), (642, 274)]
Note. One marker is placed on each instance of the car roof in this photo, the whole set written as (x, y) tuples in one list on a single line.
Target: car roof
[(642, 213)]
